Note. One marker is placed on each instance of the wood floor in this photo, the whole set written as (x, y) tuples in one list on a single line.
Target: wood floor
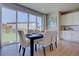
[(65, 48)]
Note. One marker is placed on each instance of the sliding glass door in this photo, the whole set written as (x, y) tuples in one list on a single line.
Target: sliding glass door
[(35, 23), (32, 23), (39, 23), (13, 21), (22, 22), (8, 26)]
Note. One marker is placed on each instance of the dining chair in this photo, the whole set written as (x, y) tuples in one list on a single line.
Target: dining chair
[(46, 40), (39, 40), (35, 41), (36, 30), (24, 42), (54, 38)]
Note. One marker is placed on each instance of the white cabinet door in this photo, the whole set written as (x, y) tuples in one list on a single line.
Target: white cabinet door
[(66, 35), (69, 19), (66, 19), (70, 36), (75, 36), (75, 18), (63, 35), (63, 20)]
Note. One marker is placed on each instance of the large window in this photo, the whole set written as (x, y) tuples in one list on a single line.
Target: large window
[(13, 20), (39, 23), (32, 23), (22, 22), (8, 26)]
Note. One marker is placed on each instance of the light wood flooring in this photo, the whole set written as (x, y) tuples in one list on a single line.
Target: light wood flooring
[(65, 48)]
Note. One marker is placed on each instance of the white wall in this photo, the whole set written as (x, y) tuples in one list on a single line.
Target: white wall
[(56, 16)]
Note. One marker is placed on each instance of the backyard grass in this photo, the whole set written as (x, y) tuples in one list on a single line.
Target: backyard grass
[(6, 37)]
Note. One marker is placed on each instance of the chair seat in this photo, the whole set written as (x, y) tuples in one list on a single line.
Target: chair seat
[(38, 40), (43, 43), (25, 44)]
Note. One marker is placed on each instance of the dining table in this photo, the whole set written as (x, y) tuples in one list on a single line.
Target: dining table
[(32, 37)]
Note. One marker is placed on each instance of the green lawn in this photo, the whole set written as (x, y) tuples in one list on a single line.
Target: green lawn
[(6, 37)]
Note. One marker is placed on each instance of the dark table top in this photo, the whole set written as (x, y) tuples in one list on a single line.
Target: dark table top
[(34, 36)]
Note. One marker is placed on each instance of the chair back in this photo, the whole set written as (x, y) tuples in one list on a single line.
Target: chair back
[(54, 36), (36, 30), (22, 38), (47, 37)]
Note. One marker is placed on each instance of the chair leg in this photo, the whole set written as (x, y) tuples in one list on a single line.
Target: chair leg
[(52, 46), (23, 51), (19, 48), (44, 51), (56, 44), (35, 47)]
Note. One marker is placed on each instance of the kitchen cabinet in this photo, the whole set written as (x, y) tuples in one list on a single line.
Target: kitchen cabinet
[(70, 36), (63, 20), (70, 19), (75, 20), (75, 36), (66, 35), (66, 19)]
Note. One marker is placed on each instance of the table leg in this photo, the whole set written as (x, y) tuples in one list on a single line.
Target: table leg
[(32, 47)]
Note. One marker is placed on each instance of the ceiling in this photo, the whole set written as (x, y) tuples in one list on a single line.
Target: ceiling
[(51, 7)]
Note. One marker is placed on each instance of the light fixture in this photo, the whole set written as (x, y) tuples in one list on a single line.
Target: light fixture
[(43, 9)]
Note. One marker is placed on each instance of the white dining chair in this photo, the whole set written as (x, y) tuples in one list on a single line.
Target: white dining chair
[(39, 40), (36, 41), (24, 42), (46, 40), (54, 38)]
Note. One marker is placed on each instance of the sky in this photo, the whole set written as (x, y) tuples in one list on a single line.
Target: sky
[(9, 16)]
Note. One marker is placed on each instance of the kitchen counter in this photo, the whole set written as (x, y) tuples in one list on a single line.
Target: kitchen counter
[(69, 30), (70, 35)]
